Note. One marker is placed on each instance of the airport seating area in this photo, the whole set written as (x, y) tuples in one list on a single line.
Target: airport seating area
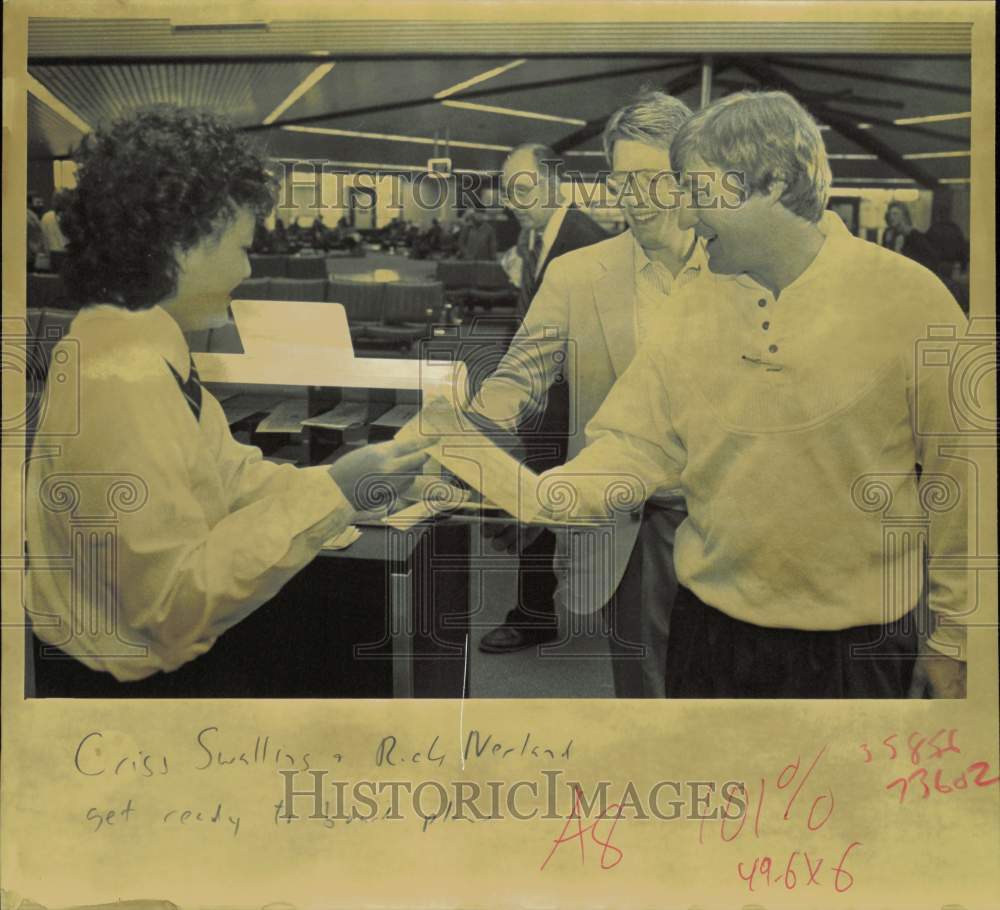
[(389, 310)]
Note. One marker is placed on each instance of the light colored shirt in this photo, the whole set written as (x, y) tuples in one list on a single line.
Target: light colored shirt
[(654, 283), (793, 426), (555, 321), (549, 233), (53, 233), (512, 265), (150, 532), (36, 236)]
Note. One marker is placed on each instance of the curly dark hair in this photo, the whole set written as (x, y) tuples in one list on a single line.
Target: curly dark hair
[(159, 180)]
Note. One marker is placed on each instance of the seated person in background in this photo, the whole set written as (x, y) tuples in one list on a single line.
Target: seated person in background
[(198, 531), (449, 238), (782, 400), (261, 238), (279, 239), (902, 237), (435, 236), (319, 234), (479, 241), (36, 239)]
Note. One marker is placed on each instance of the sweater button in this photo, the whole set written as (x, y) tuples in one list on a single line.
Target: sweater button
[(773, 349), (762, 302)]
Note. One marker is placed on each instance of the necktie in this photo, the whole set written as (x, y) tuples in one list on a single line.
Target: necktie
[(530, 253), (190, 389)]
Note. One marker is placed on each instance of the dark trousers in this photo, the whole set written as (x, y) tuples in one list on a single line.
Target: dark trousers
[(545, 447), (639, 613), (712, 655)]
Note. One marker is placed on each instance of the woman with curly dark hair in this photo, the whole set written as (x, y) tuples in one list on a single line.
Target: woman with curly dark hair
[(175, 531)]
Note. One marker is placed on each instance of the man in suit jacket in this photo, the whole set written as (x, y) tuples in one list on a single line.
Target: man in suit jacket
[(586, 321), (550, 227)]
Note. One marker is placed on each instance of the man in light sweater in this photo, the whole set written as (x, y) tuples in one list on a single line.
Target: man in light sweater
[(789, 405)]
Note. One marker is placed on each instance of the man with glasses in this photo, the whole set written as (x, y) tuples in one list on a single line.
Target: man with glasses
[(587, 321)]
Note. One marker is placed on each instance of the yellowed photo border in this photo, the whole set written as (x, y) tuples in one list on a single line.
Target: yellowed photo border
[(825, 766)]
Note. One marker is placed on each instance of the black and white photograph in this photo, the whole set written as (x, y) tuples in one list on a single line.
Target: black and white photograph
[(460, 370)]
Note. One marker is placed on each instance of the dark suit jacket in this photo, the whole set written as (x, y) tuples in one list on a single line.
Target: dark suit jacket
[(577, 230)]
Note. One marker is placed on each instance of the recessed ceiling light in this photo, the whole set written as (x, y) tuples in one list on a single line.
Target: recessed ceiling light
[(867, 180), (922, 156), (395, 137), (46, 97), (299, 91), (475, 80), (933, 118), (512, 112), (383, 167)]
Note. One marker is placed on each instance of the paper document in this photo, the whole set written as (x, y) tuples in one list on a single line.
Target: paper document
[(411, 516), (342, 540), (240, 407), (471, 455), (397, 416), (287, 417), (345, 415)]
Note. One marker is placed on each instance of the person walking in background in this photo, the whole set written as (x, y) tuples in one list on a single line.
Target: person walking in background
[(36, 247), (54, 238), (902, 237), (479, 242)]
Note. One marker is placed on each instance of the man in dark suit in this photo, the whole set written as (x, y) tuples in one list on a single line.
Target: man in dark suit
[(550, 227)]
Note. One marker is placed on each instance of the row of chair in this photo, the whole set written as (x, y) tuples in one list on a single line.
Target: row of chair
[(474, 283), (396, 313), (47, 290), (274, 265)]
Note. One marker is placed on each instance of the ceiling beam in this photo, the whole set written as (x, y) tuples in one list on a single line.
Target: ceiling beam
[(592, 128), (871, 77), (838, 121), (865, 117), (843, 97), (467, 96)]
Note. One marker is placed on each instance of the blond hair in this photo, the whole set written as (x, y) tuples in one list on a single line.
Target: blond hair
[(766, 137)]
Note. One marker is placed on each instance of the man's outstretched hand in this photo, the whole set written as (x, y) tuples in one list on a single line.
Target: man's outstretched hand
[(395, 463)]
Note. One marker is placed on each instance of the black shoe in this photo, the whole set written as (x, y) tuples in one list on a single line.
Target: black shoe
[(505, 639)]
